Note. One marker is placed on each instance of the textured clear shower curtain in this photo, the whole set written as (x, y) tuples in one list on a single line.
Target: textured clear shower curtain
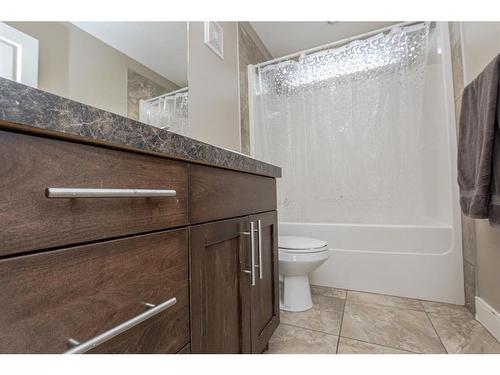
[(344, 124), (170, 111)]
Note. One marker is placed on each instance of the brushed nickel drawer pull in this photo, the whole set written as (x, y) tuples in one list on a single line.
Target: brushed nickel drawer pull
[(78, 348), (252, 251), (107, 193), (259, 236)]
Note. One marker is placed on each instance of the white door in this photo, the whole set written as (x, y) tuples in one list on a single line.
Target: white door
[(18, 56)]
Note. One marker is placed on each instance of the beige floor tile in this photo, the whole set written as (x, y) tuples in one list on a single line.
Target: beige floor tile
[(384, 300), (464, 335), (294, 340), (446, 309), (328, 292), (350, 346), (325, 316), (390, 326)]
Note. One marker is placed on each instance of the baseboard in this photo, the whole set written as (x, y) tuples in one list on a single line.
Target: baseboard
[(488, 317)]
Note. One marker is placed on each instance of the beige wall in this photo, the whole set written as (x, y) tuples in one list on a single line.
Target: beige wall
[(481, 43), (74, 64), (213, 88), (53, 39)]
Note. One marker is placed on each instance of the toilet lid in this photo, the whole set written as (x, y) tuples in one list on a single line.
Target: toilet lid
[(300, 243)]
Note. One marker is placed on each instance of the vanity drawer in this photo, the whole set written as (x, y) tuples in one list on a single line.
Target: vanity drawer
[(31, 221), (84, 291), (216, 194)]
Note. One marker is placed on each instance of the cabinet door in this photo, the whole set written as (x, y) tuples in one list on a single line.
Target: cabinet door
[(264, 298), (219, 291)]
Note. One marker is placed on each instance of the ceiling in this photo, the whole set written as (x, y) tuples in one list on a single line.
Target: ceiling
[(284, 38), (160, 46)]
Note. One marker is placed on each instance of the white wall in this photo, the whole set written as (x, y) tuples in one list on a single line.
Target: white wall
[(214, 88)]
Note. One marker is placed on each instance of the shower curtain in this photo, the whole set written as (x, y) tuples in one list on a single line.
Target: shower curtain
[(168, 111), (344, 124)]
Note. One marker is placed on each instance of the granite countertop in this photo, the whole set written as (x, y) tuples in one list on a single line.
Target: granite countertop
[(26, 108)]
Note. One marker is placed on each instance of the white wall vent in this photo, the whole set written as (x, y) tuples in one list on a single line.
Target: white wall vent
[(214, 38)]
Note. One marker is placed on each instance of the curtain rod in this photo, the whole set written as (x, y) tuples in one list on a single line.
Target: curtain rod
[(338, 42), (168, 94)]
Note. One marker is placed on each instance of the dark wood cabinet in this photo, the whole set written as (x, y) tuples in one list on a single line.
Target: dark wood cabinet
[(218, 288), (218, 194), (264, 297), (234, 309), (81, 292), (77, 267)]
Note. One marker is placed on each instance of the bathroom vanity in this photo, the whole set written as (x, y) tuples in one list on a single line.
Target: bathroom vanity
[(118, 237)]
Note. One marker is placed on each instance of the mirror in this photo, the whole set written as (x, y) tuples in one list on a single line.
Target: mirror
[(133, 69)]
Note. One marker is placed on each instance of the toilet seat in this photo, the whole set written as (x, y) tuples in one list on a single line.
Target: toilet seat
[(305, 257), (302, 245)]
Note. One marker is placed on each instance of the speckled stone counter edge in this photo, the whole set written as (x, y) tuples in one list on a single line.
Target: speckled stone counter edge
[(33, 108)]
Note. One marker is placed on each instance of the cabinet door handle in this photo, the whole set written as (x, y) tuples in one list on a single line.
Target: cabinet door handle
[(259, 234), (252, 249), (107, 193), (78, 348)]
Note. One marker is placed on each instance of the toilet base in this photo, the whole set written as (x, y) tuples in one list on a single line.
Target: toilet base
[(295, 294)]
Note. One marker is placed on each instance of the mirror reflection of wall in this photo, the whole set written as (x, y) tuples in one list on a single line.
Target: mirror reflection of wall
[(134, 69)]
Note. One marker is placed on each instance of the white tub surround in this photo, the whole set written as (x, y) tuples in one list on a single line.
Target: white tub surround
[(415, 261)]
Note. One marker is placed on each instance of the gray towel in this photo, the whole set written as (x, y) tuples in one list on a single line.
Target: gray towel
[(479, 146)]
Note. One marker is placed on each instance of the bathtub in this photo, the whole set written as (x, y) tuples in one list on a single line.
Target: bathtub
[(415, 261)]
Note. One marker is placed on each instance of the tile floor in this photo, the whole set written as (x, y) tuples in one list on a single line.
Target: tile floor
[(348, 322)]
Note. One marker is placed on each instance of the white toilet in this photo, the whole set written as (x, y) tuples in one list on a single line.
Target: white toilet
[(298, 256)]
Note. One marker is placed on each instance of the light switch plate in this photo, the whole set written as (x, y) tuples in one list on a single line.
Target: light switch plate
[(214, 38)]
